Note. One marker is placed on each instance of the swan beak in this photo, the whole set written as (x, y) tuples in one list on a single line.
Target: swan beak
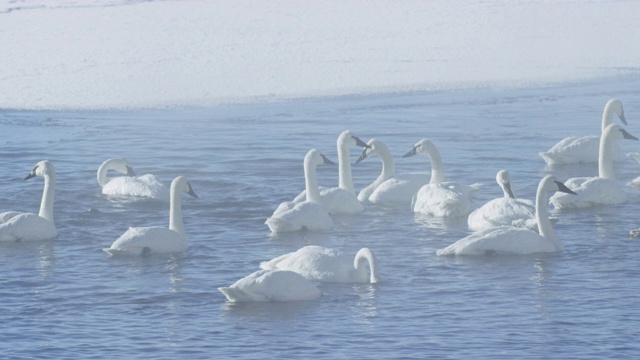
[(360, 142), (507, 186), (411, 153), (562, 187), (31, 174), (326, 160), (130, 171), (362, 156), (622, 118), (192, 193), (626, 135)]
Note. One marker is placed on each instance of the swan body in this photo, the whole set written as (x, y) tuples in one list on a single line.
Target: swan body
[(510, 240), (271, 285), (600, 190), (18, 226), (585, 149), (129, 185), (389, 188), (309, 214), (158, 240), (322, 264), (439, 198), (504, 211)]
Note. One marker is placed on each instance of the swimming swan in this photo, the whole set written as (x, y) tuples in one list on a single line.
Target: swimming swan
[(322, 264), (602, 189), (440, 198), (309, 214), (129, 185), (581, 149), (156, 239), (504, 211), (18, 226), (271, 285), (389, 188), (510, 240)]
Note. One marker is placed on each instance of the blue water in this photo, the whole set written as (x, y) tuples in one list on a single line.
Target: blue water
[(68, 299)]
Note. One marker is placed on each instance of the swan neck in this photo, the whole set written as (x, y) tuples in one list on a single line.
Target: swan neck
[(311, 182), (46, 205), (345, 180), (605, 157), (102, 174), (607, 116), (364, 257), (542, 216), (437, 167), (175, 210)]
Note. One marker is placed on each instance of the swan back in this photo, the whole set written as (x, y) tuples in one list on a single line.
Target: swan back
[(271, 285), (120, 165)]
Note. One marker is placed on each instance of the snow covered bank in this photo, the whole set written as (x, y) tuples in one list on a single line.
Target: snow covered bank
[(128, 54)]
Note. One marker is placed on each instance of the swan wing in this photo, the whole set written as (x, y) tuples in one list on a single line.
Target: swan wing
[(308, 215), (7, 215), (340, 201), (27, 227), (141, 186), (399, 190), (142, 240), (317, 263), (441, 200), (506, 240), (502, 212), (271, 285), (589, 192), (578, 149)]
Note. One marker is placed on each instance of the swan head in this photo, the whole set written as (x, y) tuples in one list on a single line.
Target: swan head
[(504, 180), (348, 139), (616, 132), (42, 168), (363, 256), (551, 184), (315, 157), (182, 184), (374, 147), (422, 147), (615, 106)]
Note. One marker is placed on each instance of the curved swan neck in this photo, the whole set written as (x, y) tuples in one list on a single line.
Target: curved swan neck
[(605, 156), (388, 165), (437, 167), (542, 215), (367, 256), (607, 114), (102, 173), (175, 210), (345, 180), (311, 181), (46, 205)]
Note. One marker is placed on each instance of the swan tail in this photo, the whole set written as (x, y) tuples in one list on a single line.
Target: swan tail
[(546, 156), (237, 295)]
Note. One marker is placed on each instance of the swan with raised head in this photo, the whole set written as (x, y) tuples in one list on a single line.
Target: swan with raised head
[(322, 264), (309, 214), (271, 285), (130, 184), (439, 198), (510, 240), (387, 187), (602, 189), (584, 149), (156, 239), (19, 226), (504, 211)]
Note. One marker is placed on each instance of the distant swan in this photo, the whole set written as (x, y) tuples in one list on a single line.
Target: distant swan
[(581, 149), (389, 188), (158, 240), (129, 185), (440, 198), (504, 211), (509, 240), (271, 285), (18, 226), (600, 190), (309, 214), (328, 265)]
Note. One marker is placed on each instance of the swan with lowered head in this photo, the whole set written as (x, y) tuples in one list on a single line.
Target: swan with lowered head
[(505, 211), (271, 285), (130, 184), (18, 226), (309, 214), (583, 149), (322, 264), (158, 240), (602, 189), (510, 240), (389, 188), (439, 198)]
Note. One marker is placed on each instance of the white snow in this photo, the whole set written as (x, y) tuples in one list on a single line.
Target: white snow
[(133, 54)]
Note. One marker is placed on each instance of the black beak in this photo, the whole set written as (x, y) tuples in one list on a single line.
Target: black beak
[(562, 187), (410, 153), (362, 156), (508, 187), (326, 160), (31, 174), (360, 142), (191, 192), (130, 171), (626, 135)]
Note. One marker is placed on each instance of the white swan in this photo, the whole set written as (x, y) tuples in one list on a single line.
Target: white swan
[(18, 226), (389, 188), (504, 211), (602, 189), (158, 240), (581, 149), (510, 240), (271, 285), (309, 214), (322, 264), (440, 198), (129, 185)]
